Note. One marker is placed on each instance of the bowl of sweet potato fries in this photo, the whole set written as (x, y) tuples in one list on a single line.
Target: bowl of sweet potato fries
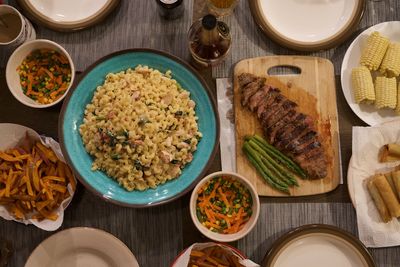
[(36, 184)]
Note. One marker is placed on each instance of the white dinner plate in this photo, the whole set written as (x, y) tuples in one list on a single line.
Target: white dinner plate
[(68, 15), (305, 24), (318, 245), (82, 247), (368, 113)]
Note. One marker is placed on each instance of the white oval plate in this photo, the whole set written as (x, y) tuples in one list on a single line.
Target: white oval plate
[(82, 247), (368, 113)]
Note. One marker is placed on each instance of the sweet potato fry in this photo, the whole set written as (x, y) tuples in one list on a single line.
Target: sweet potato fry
[(47, 152)]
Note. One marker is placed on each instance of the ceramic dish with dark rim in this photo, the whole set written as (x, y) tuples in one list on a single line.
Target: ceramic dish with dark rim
[(61, 15), (318, 245), (85, 247), (81, 94), (307, 25)]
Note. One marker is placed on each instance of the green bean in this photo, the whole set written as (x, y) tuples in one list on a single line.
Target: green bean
[(275, 166), (279, 156), (266, 174)]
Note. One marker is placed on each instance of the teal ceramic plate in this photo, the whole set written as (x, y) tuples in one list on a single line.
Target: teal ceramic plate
[(81, 94)]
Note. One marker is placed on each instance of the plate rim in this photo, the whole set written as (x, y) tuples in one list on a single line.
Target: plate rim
[(80, 228), (326, 43), (369, 121), (84, 74), (36, 16), (317, 228)]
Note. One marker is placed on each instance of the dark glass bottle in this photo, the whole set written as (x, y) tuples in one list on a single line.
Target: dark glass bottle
[(170, 9), (209, 41)]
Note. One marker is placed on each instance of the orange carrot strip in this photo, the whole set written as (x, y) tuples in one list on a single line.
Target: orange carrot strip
[(49, 74), (223, 197)]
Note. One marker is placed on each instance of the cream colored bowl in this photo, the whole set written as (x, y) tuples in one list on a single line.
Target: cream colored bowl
[(247, 227), (12, 76)]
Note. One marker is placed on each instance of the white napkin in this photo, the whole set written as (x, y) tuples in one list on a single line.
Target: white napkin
[(227, 129), (367, 141)]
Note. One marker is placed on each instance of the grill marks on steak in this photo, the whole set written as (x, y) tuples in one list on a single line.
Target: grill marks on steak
[(290, 131), (249, 85)]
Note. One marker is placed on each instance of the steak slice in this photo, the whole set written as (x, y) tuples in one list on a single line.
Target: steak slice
[(314, 163), (246, 78), (303, 140), (256, 99), (273, 129), (272, 108), (263, 109), (281, 112), (250, 89), (294, 128)]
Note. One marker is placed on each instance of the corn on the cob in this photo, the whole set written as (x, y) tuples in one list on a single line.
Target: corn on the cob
[(363, 86), (374, 51), (398, 100), (385, 92), (390, 66)]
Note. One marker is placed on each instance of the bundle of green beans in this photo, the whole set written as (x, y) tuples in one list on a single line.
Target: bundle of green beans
[(276, 168)]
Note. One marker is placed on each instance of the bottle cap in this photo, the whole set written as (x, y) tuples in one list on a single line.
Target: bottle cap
[(209, 22)]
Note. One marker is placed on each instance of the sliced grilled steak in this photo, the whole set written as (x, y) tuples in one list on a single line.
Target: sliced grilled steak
[(287, 129)]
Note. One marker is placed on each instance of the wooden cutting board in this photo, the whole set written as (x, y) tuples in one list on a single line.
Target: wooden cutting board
[(315, 93)]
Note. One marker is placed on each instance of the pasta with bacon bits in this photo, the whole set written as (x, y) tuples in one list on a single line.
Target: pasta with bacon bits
[(140, 128)]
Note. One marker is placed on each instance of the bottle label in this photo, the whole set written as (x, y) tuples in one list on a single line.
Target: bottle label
[(168, 2)]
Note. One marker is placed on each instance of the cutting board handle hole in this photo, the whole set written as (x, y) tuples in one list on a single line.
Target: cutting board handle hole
[(284, 70)]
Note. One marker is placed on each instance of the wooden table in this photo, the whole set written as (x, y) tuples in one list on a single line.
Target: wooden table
[(157, 235)]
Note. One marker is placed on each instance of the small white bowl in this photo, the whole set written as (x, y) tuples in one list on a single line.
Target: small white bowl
[(12, 76), (246, 228)]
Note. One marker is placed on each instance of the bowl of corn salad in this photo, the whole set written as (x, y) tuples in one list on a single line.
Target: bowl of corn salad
[(224, 206), (39, 73)]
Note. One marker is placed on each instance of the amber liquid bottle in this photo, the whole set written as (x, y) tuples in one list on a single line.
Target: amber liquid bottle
[(209, 41)]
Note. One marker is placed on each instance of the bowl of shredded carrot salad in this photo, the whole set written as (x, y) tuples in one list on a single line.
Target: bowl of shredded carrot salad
[(39, 73), (224, 206)]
